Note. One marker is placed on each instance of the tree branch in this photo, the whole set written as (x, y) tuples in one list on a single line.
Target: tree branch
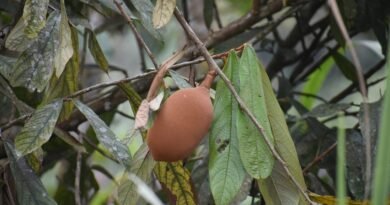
[(363, 89), (258, 13)]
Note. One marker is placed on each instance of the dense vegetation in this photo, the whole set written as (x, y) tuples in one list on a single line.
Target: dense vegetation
[(301, 107)]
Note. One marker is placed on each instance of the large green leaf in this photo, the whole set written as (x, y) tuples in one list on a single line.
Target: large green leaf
[(34, 16), (105, 134), (255, 154), (38, 128), (65, 50), (278, 188), (34, 67), (67, 83), (142, 165), (381, 188), (29, 187), (225, 167)]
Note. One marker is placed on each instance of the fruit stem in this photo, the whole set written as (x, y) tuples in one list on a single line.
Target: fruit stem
[(158, 79), (208, 80)]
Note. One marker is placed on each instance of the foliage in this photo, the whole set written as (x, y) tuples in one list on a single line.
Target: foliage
[(288, 61)]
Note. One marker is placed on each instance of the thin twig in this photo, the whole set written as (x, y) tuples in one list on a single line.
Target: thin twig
[(363, 89), (136, 33), (319, 158), (274, 23), (376, 81), (15, 121), (310, 96), (107, 84), (125, 114), (213, 65), (258, 13), (77, 193), (111, 68)]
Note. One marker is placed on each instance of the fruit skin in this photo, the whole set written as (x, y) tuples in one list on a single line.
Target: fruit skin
[(181, 123)]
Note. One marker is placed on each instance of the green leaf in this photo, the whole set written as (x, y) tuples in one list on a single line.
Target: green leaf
[(34, 159), (381, 185), (67, 83), (133, 97), (255, 154), (34, 67), (6, 65), (179, 80), (65, 50), (162, 12), (145, 9), (225, 167), (97, 52), (346, 66), (38, 128), (315, 82), (28, 185), (17, 40), (335, 30), (278, 189), (177, 180), (325, 110), (105, 134), (142, 165), (208, 10), (145, 191), (34, 15)]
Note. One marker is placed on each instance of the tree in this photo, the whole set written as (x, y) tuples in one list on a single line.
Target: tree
[(299, 114)]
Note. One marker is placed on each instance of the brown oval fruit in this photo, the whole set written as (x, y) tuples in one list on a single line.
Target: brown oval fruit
[(180, 124)]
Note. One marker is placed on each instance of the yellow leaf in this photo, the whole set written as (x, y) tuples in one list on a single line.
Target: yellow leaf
[(162, 12), (177, 180)]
